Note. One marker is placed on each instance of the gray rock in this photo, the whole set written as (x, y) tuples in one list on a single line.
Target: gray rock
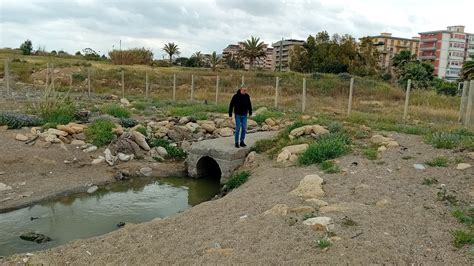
[(418, 166), (35, 237), (4, 187), (124, 144), (92, 189), (109, 158), (178, 134), (140, 140), (90, 149), (146, 171)]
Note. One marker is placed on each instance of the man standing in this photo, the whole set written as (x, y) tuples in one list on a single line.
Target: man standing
[(241, 106)]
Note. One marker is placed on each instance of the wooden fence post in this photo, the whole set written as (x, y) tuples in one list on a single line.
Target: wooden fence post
[(192, 87), (243, 81), (303, 104), (217, 89), (407, 98), (89, 81), (351, 91), (277, 88), (464, 95), (174, 87), (70, 82), (470, 101), (146, 85), (7, 76), (47, 76), (52, 76), (123, 84)]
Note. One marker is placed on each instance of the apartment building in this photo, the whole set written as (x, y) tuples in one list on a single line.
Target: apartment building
[(266, 63), (388, 46), (447, 50), (281, 53)]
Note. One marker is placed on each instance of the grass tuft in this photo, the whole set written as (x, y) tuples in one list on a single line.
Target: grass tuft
[(462, 238), (444, 140), (237, 180), (100, 132), (371, 152), (323, 243), (328, 147), (439, 162), (330, 167), (173, 152), (116, 110)]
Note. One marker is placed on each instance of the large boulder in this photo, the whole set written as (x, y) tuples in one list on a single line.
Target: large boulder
[(192, 126), (300, 131), (35, 237), (311, 186), (140, 140), (209, 127), (283, 156), (178, 134), (296, 149), (385, 141), (319, 130), (124, 144), (260, 110), (270, 121), (225, 132)]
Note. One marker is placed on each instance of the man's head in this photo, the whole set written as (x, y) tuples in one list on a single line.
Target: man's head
[(243, 90)]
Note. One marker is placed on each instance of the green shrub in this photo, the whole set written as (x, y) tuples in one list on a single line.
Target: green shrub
[(260, 118), (61, 113), (335, 127), (100, 132), (139, 105), (328, 147), (237, 180), (371, 152), (462, 238), (438, 162), (128, 122), (173, 152), (323, 243), (142, 130), (330, 167), (444, 140), (116, 110), (16, 120), (464, 216)]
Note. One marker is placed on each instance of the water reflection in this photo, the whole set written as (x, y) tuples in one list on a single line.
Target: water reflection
[(85, 215)]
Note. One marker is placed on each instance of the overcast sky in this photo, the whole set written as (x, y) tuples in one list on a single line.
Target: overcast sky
[(209, 25)]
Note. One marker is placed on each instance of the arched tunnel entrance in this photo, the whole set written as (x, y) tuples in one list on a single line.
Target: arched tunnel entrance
[(208, 167)]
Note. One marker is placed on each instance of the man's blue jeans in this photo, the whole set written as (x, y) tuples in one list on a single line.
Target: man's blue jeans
[(240, 125)]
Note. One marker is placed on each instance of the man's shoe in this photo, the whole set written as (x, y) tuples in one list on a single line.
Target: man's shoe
[(237, 145), (242, 144)]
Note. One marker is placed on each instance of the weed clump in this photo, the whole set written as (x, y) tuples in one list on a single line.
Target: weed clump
[(371, 152), (100, 132), (323, 243), (173, 152), (330, 167), (444, 140), (462, 238), (116, 110), (237, 180), (328, 147), (260, 118), (438, 162)]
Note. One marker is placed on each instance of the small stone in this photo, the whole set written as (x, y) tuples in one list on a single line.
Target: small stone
[(309, 187), (57, 132), (109, 158), (124, 157), (269, 121), (279, 209), (382, 149), (2, 173), (418, 166), (470, 155), (283, 156), (35, 237), (90, 149), (382, 203), (21, 137), (125, 102), (67, 129), (302, 210), (320, 223), (4, 187), (463, 166), (98, 160), (296, 149), (184, 120), (146, 171), (250, 158), (209, 127), (335, 238), (77, 142), (92, 189)]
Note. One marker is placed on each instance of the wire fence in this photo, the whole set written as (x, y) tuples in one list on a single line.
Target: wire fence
[(302, 93)]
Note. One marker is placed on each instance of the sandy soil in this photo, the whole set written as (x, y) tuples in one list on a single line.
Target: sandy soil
[(37, 173), (411, 227)]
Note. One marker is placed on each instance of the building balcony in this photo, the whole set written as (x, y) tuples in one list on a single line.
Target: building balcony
[(429, 40), (428, 48), (427, 57)]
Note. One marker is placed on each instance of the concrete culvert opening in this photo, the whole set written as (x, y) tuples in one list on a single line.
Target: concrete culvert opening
[(209, 168)]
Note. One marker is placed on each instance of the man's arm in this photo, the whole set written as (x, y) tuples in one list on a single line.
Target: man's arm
[(231, 106), (250, 107)]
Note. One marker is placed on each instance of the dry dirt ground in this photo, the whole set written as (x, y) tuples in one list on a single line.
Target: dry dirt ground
[(38, 172), (411, 226)]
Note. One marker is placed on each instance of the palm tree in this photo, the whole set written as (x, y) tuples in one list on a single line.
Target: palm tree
[(171, 49), (198, 57), (467, 71), (253, 49), (214, 60)]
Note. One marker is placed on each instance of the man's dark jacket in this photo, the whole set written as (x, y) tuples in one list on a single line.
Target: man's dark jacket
[(240, 104)]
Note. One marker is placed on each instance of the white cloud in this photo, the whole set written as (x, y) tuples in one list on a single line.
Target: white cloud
[(209, 25)]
